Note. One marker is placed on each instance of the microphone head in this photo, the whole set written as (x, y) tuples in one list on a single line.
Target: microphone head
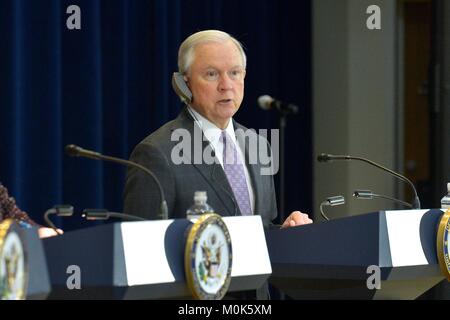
[(363, 194), (64, 210), (95, 214), (72, 150), (265, 102), (335, 201), (323, 157)]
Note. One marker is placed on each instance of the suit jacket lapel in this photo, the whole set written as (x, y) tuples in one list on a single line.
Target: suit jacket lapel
[(212, 173)]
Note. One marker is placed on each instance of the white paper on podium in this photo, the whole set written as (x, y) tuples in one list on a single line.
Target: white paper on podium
[(404, 237), (250, 254), (145, 255)]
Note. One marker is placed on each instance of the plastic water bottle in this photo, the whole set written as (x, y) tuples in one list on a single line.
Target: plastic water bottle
[(200, 206), (445, 201)]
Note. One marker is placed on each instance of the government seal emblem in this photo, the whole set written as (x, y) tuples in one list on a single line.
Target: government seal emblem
[(13, 262), (208, 258), (443, 244)]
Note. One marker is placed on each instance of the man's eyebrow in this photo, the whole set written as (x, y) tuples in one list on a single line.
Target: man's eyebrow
[(210, 67), (216, 68)]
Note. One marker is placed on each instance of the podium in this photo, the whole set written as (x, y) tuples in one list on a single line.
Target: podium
[(38, 287), (145, 260), (329, 260)]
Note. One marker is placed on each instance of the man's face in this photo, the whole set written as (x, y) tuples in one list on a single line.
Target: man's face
[(216, 79)]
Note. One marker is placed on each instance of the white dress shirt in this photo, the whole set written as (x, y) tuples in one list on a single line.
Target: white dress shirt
[(213, 133)]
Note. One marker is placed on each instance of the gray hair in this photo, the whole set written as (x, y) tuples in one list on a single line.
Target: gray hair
[(187, 48)]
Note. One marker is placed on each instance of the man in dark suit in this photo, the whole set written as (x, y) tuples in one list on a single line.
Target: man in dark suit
[(212, 70), (204, 149)]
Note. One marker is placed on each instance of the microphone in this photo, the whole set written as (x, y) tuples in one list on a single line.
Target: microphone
[(104, 214), (61, 211), (331, 201), (76, 151), (323, 157), (367, 194), (267, 102)]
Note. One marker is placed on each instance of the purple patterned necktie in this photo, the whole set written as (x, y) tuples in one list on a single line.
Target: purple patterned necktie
[(234, 170)]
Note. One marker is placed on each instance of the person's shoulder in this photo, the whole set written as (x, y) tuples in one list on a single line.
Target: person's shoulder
[(156, 145), (162, 137)]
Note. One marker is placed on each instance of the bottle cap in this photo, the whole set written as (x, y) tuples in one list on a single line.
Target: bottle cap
[(200, 196)]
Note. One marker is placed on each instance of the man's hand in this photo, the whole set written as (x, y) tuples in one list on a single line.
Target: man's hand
[(296, 218), (48, 232)]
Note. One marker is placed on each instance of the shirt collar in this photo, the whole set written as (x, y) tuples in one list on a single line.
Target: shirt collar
[(211, 131)]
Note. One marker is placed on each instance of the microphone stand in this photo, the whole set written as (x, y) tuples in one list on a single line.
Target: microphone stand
[(282, 213), (266, 102), (283, 121)]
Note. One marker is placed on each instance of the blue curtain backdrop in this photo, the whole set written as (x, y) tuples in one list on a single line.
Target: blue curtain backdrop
[(106, 86)]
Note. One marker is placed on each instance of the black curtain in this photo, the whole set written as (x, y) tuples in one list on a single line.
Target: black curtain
[(106, 86)]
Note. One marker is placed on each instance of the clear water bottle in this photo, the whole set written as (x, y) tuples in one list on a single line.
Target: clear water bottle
[(200, 206), (445, 201)]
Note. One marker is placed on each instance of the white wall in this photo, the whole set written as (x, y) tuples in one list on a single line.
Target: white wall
[(354, 101)]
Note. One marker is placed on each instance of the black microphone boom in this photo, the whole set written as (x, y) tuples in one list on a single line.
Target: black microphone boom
[(267, 102), (76, 151), (103, 214), (323, 157), (368, 195)]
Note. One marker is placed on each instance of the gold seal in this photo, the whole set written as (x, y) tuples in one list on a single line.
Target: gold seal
[(208, 258), (13, 262), (443, 244)]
